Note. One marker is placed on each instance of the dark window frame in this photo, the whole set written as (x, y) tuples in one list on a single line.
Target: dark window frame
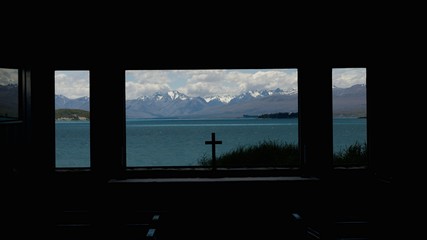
[(116, 168)]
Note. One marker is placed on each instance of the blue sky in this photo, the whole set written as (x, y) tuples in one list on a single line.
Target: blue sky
[(202, 83)]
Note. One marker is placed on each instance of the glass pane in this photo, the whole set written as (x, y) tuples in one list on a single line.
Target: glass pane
[(349, 116), (171, 113), (9, 94), (72, 118)]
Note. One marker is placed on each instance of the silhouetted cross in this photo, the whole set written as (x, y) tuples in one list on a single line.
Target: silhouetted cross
[(213, 142)]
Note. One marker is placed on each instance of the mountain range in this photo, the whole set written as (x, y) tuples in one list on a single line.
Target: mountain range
[(347, 102)]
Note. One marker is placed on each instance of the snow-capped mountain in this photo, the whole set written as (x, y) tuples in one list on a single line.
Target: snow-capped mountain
[(167, 96), (251, 95), (175, 104), (168, 104), (218, 99)]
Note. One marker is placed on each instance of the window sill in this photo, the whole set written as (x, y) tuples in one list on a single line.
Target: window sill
[(197, 172), (72, 169), (212, 180), (11, 122)]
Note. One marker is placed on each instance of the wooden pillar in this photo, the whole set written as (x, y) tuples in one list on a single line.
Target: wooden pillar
[(107, 112), (315, 116), (40, 156), (315, 138)]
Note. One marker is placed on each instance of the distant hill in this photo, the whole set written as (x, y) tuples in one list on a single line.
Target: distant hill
[(280, 115), (71, 114), (349, 102)]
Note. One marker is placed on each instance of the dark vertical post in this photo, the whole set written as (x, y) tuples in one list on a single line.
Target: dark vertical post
[(315, 118), (315, 138), (107, 120), (36, 164), (42, 122)]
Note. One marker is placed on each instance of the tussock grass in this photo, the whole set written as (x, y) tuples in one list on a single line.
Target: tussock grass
[(266, 153), (355, 154), (270, 153)]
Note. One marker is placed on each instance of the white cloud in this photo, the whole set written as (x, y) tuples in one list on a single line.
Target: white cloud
[(347, 77), (204, 89), (266, 79), (149, 76), (205, 82), (234, 82), (136, 89), (195, 76), (72, 84), (145, 83)]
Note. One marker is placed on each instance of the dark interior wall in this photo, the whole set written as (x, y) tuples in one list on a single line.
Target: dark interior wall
[(320, 199)]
